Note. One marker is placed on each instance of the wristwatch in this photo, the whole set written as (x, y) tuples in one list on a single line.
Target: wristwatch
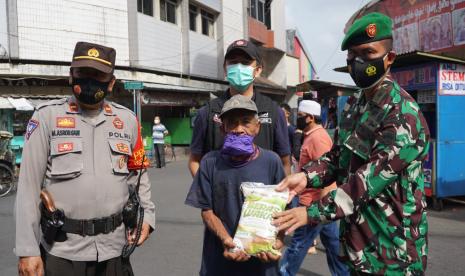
[(304, 170)]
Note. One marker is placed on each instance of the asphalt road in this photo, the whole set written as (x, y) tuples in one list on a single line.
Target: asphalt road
[(176, 245)]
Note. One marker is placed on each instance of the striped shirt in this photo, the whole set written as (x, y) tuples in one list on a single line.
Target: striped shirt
[(157, 134)]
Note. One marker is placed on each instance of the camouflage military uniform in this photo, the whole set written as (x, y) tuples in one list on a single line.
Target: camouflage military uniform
[(377, 162)]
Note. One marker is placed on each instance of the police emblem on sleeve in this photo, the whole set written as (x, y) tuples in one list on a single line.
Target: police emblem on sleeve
[(31, 126)]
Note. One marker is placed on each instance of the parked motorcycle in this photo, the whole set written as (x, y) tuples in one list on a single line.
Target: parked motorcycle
[(7, 164)]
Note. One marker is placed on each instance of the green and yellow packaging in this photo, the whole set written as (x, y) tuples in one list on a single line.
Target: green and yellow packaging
[(255, 233)]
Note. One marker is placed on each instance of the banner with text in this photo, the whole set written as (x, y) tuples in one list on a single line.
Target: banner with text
[(452, 79)]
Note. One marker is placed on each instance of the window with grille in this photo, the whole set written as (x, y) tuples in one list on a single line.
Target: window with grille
[(208, 20), (193, 14), (168, 10), (145, 7), (260, 10)]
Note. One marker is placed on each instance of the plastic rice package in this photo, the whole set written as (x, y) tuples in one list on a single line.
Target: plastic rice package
[(255, 233)]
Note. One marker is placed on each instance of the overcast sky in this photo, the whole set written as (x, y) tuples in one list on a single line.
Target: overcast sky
[(321, 25)]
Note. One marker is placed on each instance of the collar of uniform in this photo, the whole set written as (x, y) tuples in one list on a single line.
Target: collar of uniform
[(96, 119), (72, 106), (313, 130)]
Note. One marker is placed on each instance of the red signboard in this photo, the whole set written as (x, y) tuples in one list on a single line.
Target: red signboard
[(424, 25)]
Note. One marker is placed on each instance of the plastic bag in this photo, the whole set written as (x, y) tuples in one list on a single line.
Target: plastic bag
[(255, 233)]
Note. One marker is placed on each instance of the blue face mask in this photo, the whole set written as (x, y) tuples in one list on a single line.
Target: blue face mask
[(240, 76)]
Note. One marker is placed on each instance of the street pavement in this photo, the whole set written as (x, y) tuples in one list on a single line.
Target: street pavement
[(176, 245)]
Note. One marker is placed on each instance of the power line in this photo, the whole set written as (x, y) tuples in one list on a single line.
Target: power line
[(328, 61)]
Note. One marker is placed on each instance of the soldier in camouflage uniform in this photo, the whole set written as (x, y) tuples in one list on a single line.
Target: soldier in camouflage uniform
[(377, 162)]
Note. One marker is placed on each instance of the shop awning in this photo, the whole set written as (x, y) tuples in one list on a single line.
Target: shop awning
[(25, 103), (414, 58), (21, 104), (326, 88), (174, 88), (5, 103)]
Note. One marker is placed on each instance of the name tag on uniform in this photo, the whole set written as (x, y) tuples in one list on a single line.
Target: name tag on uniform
[(66, 132)]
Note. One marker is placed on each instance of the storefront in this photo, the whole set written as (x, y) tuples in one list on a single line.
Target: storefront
[(175, 105), (15, 112), (332, 97), (438, 85)]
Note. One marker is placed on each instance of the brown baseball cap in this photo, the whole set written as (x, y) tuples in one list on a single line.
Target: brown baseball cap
[(94, 56)]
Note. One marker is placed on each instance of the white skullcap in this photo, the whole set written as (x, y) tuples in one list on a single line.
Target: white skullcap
[(310, 107)]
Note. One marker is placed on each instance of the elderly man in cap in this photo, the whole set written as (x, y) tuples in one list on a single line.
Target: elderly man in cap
[(316, 142), (377, 163), (242, 65), (216, 191), (81, 155)]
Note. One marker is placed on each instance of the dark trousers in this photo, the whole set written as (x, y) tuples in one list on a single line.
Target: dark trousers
[(55, 266), (159, 154)]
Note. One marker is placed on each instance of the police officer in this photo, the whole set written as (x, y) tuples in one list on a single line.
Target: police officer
[(377, 162), (85, 152), (243, 64)]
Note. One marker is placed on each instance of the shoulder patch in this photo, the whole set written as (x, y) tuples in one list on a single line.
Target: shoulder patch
[(31, 126), (52, 102)]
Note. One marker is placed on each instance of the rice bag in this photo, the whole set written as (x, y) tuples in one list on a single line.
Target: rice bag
[(255, 233)]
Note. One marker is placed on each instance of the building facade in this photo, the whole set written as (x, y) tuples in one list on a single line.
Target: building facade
[(299, 65), (175, 47)]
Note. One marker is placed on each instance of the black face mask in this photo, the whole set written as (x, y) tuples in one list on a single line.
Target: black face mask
[(301, 122), (90, 91), (366, 73)]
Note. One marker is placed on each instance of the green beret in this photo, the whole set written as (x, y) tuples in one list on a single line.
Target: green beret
[(371, 27)]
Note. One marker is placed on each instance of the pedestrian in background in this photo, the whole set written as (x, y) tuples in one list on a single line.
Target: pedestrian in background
[(290, 127), (159, 132), (316, 143), (216, 191), (242, 65), (382, 141), (85, 152)]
